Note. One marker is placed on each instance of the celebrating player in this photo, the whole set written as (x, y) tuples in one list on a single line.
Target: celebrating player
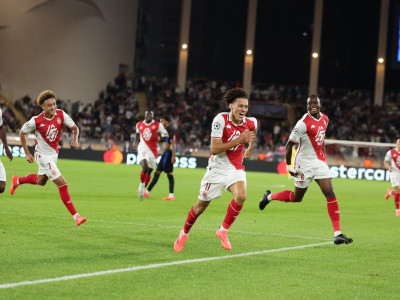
[(3, 138), (147, 132), (230, 131), (166, 162), (310, 163), (48, 126), (392, 163)]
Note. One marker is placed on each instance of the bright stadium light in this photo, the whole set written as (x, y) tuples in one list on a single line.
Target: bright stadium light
[(380, 60), (315, 55), (184, 46), (249, 52)]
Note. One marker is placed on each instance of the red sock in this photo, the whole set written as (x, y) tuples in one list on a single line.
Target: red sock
[(334, 213), (147, 179), (285, 196), (231, 214), (31, 178), (191, 218), (142, 176), (66, 199), (397, 200)]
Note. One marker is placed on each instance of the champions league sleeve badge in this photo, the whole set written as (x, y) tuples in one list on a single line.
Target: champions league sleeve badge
[(216, 126)]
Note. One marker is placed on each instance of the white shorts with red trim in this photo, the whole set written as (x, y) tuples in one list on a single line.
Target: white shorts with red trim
[(213, 182), (2, 172), (147, 154), (317, 170), (48, 166), (395, 179)]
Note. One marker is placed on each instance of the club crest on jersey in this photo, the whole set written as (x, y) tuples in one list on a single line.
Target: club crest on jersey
[(58, 120)]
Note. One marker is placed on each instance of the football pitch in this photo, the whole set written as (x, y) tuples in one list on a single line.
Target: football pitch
[(125, 249)]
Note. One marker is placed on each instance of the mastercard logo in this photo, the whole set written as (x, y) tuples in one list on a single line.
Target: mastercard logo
[(282, 168), (113, 157)]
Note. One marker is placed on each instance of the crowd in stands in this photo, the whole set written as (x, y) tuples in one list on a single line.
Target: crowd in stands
[(113, 116)]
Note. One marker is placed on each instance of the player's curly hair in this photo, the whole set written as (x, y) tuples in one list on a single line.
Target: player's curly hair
[(43, 96), (232, 94)]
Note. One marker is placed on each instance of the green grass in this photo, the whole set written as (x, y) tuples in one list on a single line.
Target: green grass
[(39, 240)]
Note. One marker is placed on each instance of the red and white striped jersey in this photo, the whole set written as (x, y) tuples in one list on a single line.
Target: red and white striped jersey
[(309, 133), (393, 157), (48, 131), (149, 135), (224, 128)]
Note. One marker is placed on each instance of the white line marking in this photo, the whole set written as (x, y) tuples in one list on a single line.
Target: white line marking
[(152, 266), (164, 226)]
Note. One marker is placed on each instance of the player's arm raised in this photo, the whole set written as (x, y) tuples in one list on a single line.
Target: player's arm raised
[(217, 146)]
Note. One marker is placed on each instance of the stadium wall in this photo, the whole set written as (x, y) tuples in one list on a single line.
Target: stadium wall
[(74, 47), (191, 162)]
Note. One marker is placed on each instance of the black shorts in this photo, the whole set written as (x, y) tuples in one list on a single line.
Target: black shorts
[(165, 163)]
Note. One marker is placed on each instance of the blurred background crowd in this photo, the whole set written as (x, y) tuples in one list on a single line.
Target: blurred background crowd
[(111, 119)]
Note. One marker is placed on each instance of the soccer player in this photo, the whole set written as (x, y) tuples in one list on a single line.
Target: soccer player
[(392, 163), (310, 163), (3, 137), (230, 131), (47, 127), (147, 132), (166, 162)]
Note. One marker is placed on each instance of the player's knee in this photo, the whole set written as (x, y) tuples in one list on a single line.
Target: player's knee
[(240, 198), (2, 188)]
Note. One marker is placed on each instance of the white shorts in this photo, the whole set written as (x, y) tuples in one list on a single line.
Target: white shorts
[(2, 172), (318, 170), (395, 179), (48, 166), (148, 155), (213, 182)]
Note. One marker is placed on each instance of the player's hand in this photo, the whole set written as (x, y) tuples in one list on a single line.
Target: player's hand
[(29, 158), (74, 144), (247, 153), (247, 136), (292, 171), (9, 154)]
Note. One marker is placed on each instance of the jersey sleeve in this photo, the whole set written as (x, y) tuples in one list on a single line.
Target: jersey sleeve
[(388, 156), (297, 132), (162, 131), (254, 120), (29, 126), (1, 118), (217, 127), (68, 121)]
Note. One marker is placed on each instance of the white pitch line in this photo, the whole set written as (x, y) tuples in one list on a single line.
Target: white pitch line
[(152, 266), (165, 226)]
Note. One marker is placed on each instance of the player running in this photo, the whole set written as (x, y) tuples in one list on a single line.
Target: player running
[(166, 162), (47, 127), (310, 163), (147, 132), (230, 131), (392, 163)]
